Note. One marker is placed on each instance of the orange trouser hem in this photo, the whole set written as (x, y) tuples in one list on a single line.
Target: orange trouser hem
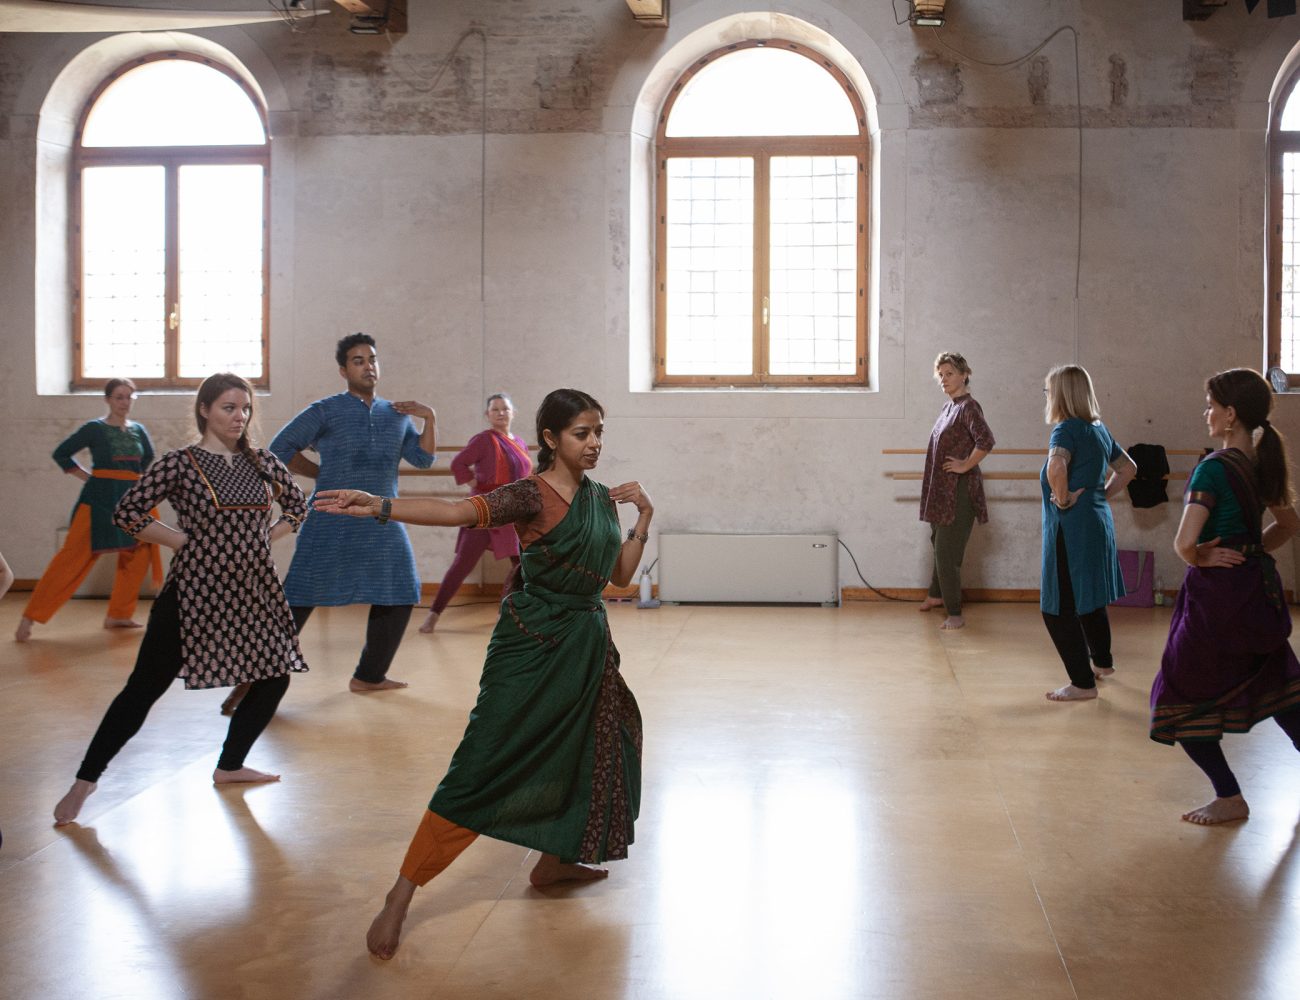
[(73, 563), (436, 844)]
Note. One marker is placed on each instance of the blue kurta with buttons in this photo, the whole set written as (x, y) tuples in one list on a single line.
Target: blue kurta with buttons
[(1088, 526), (349, 560)]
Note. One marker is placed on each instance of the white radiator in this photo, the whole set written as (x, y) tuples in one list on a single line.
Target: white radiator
[(749, 569)]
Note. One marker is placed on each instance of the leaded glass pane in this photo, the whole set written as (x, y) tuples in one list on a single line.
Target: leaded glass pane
[(710, 268), (813, 318)]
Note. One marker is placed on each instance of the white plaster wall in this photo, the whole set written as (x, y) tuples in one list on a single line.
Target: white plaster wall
[(975, 245)]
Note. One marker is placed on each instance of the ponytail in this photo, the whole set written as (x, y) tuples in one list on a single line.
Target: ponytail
[(1271, 465), (255, 460)]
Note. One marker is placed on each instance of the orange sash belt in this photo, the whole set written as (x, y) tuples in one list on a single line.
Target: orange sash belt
[(155, 557)]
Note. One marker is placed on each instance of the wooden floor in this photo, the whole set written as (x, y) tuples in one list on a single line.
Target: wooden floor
[(838, 803)]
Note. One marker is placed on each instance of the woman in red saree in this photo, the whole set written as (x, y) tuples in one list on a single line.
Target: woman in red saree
[(551, 758)]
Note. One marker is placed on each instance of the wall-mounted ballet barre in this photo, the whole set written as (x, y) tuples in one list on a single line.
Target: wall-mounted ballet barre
[(1039, 452)]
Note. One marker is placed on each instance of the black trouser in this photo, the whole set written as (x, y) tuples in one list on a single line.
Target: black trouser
[(384, 630), (1076, 636), (156, 666), (1209, 756)]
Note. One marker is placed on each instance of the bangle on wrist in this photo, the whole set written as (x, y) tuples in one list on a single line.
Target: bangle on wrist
[(632, 536), (385, 510)]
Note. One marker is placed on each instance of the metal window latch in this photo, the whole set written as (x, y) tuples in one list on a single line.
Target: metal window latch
[(174, 317)]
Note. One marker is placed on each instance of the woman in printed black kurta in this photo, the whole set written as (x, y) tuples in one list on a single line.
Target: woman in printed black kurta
[(120, 450), (222, 617), (551, 758)]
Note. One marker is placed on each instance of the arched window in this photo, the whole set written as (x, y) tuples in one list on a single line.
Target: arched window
[(761, 254), (1284, 233), (169, 220)]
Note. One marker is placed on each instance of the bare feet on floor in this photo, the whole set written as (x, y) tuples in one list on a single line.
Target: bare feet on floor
[(1102, 671), (69, 806), (364, 687), (386, 929), (234, 698), (1072, 693), (1227, 810), (24, 630), (121, 623), (550, 869), (245, 775), (953, 621), (430, 622), (930, 603)]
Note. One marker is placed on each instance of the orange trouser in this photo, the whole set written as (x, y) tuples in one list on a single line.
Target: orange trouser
[(74, 561), (436, 844)]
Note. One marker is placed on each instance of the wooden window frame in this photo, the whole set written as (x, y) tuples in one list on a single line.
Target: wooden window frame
[(171, 159), (1279, 143), (761, 149)]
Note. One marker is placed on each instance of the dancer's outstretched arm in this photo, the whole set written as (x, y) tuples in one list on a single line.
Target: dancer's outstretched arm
[(411, 510)]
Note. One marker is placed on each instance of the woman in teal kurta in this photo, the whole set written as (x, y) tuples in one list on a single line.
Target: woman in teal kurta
[(120, 450), (551, 758), (1081, 575)]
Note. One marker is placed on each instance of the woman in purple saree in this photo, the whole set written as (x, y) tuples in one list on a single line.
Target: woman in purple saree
[(1228, 663)]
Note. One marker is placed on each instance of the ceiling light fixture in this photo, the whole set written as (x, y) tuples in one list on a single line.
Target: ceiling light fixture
[(928, 13)]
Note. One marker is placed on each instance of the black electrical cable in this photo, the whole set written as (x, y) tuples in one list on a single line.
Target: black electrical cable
[(878, 593)]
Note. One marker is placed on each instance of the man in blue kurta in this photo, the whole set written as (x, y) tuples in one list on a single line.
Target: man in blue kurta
[(360, 440)]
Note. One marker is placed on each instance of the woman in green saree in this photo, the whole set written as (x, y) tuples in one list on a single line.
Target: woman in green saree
[(551, 758)]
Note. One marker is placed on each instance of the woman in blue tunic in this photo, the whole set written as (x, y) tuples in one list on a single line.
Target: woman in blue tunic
[(1081, 572)]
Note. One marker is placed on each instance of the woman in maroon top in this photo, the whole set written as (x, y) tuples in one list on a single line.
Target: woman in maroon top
[(492, 458), (952, 491)]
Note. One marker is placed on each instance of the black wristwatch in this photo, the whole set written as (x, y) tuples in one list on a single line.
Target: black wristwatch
[(385, 510)]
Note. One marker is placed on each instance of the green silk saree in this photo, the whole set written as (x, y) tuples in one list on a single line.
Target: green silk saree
[(551, 758)]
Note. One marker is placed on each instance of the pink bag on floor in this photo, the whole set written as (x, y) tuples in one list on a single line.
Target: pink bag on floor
[(1138, 569)]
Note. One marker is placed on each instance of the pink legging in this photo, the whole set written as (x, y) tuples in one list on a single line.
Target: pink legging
[(472, 546)]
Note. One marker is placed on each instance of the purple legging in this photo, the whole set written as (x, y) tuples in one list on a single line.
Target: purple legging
[(472, 546), (1210, 759)]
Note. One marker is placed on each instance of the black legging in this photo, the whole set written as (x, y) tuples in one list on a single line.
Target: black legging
[(156, 666), (1076, 636), (1209, 756), (384, 630)]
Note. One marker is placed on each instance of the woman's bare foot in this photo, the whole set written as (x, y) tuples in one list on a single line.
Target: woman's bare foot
[(1102, 671), (550, 869), (121, 623), (1227, 810), (430, 622), (245, 775), (1072, 693), (363, 687), (930, 603), (954, 621), (386, 929), (24, 630), (234, 698), (69, 807)]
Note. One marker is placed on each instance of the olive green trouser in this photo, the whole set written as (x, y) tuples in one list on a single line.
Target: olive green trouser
[(949, 541)]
